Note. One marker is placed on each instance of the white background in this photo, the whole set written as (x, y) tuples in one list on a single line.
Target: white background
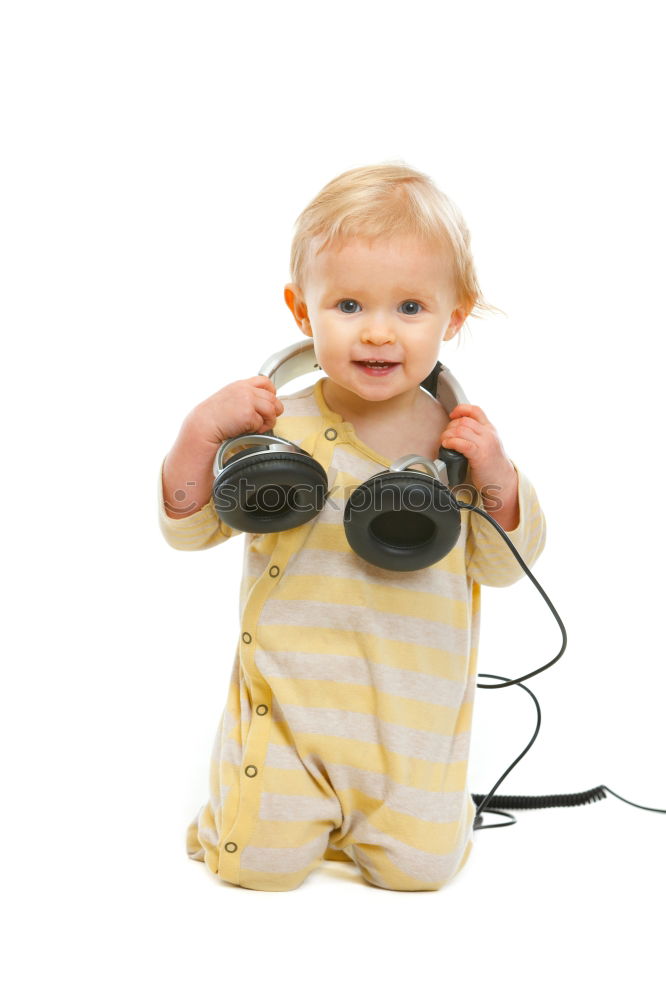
[(156, 157)]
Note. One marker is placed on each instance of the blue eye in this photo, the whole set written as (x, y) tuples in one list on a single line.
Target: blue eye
[(353, 302)]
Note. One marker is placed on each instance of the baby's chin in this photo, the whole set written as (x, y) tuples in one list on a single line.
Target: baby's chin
[(370, 388)]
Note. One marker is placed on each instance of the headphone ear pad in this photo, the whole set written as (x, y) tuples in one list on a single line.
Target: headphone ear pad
[(269, 491), (402, 520)]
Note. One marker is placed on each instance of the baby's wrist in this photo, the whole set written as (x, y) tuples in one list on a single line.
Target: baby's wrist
[(200, 434)]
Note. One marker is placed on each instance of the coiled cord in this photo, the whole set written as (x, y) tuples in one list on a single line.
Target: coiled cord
[(546, 802)]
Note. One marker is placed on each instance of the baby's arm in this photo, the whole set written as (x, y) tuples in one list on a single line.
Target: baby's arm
[(187, 471), (488, 557), (248, 406)]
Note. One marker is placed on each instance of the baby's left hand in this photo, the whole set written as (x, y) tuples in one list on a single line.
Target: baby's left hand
[(470, 432)]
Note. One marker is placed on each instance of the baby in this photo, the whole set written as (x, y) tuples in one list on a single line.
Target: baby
[(346, 731)]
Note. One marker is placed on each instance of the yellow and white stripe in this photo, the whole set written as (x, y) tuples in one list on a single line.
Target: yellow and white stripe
[(346, 731)]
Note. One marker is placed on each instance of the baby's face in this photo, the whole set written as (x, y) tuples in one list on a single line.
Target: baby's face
[(385, 300)]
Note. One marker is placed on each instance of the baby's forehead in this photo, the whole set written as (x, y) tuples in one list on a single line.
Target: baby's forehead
[(392, 245), (407, 264), (404, 253)]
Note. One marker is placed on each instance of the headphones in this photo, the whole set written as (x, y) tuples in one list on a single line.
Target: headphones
[(399, 519)]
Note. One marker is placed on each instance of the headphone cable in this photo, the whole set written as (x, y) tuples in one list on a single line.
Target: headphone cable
[(528, 572), (531, 801)]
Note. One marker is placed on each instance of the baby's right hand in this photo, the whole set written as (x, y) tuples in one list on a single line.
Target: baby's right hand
[(248, 406)]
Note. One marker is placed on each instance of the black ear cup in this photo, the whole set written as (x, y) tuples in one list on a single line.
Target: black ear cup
[(262, 491), (402, 520)]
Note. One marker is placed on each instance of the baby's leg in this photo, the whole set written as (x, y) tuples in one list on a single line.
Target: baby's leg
[(269, 816), (405, 868), (271, 841), (276, 851), (398, 851), (283, 851)]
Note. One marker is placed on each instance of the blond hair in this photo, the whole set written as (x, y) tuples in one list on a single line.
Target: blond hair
[(385, 200)]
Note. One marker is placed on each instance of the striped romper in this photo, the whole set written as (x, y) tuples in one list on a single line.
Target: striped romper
[(346, 731)]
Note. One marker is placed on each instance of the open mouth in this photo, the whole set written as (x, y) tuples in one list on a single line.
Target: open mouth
[(376, 367)]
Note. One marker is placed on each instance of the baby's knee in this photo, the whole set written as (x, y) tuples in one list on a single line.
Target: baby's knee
[(275, 869), (399, 882), (271, 881), (407, 869)]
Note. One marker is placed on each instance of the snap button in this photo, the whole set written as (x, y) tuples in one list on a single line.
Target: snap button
[(230, 846), (262, 709), (250, 770), (330, 433), (247, 637), (274, 570)]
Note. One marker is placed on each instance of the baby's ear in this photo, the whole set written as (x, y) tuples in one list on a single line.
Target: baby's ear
[(291, 293), (296, 303), (458, 317)]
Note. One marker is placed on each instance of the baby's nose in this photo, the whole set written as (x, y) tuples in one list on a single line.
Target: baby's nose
[(378, 333)]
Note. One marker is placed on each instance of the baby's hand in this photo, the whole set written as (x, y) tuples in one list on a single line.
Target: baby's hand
[(248, 406), (470, 432)]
